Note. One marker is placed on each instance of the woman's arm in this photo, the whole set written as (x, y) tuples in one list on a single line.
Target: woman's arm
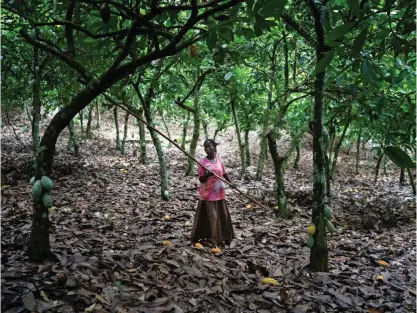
[(204, 178)]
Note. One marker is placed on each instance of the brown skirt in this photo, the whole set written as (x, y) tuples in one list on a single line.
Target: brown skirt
[(212, 222)]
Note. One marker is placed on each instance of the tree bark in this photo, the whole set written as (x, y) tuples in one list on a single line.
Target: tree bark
[(385, 165), (336, 151), (262, 157), (378, 164), (247, 152), (143, 155), (297, 156), (239, 139), (82, 121), (116, 122), (73, 140), (358, 151), (184, 130), (161, 113), (90, 120), (412, 182), (98, 116), (319, 252), (123, 149), (402, 177), (196, 132), (36, 101)]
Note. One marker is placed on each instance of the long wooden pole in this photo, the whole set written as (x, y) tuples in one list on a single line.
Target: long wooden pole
[(185, 152)]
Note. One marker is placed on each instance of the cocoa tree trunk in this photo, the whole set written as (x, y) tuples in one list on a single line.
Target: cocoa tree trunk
[(279, 178), (143, 155), (36, 101), (247, 152), (89, 121), (402, 177), (319, 260), (297, 155), (378, 164), (358, 151), (161, 113), (116, 122), (412, 182), (184, 130), (336, 151), (196, 132), (82, 121), (98, 116), (205, 128), (123, 149), (73, 140), (239, 139)]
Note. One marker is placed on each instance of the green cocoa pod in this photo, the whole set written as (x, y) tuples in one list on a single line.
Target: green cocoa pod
[(47, 183), (330, 227), (47, 200), (310, 242), (328, 212), (32, 180), (37, 189)]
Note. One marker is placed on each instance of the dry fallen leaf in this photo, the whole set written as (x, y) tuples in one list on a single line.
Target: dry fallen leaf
[(383, 263)]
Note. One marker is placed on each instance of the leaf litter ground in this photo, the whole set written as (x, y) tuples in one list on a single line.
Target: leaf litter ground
[(107, 232)]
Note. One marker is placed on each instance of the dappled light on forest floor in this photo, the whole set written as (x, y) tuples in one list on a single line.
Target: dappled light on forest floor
[(108, 231)]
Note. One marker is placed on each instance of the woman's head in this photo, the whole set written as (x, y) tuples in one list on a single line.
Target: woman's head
[(210, 147)]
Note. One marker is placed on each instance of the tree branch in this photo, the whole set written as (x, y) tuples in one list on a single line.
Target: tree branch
[(298, 28), (68, 28)]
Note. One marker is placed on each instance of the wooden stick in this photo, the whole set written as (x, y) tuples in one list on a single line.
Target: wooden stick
[(185, 152)]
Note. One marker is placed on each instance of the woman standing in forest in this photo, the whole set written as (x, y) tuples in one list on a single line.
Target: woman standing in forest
[(212, 220)]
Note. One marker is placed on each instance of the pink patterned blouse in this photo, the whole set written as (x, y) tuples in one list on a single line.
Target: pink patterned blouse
[(213, 188)]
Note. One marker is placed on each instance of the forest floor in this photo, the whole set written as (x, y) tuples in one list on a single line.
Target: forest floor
[(108, 230)]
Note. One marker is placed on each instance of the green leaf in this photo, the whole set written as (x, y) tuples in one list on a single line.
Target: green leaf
[(249, 34), (324, 62), (154, 83), (273, 8), (354, 5), (368, 73), (399, 157), (380, 104), (226, 33), (228, 76), (218, 57), (339, 31), (359, 42), (211, 39)]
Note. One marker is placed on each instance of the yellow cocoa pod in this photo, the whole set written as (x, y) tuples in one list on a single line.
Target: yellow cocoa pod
[(216, 250), (270, 281), (166, 218), (249, 206), (311, 229), (167, 243), (199, 245)]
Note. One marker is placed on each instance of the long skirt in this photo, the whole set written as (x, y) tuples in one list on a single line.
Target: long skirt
[(212, 222)]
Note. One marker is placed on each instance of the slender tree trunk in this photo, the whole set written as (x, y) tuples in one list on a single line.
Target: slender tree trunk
[(412, 182), (90, 120), (125, 133), (196, 132), (262, 157), (36, 101), (239, 139), (98, 116), (279, 178), (82, 121), (298, 152), (196, 135), (358, 151), (378, 164), (385, 165), (402, 177), (143, 155), (163, 170), (319, 260), (116, 122), (336, 151), (73, 139), (184, 129), (205, 128), (247, 152), (161, 113)]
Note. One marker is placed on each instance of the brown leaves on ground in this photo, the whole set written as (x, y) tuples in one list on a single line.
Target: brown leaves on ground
[(108, 230)]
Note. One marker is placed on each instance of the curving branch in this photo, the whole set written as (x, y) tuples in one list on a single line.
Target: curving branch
[(68, 28), (54, 51), (298, 28)]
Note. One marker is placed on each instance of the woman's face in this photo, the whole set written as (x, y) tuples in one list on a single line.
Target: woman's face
[(210, 149)]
